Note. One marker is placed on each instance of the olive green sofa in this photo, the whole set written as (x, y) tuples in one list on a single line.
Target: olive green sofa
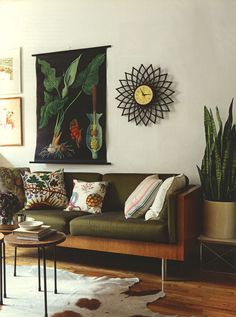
[(170, 238)]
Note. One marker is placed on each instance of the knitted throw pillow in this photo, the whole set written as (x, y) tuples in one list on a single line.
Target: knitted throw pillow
[(10, 181), (44, 190)]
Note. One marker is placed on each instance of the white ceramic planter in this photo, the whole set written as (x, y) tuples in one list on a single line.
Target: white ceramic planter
[(219, 219)]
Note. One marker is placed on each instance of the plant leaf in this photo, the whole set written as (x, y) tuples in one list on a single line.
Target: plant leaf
[(49, 110), (228, 125), (50, 82), (90, 75), (70, 76), (47, 97), (217, 170), (202, 180), (65, 91), (219, 135)]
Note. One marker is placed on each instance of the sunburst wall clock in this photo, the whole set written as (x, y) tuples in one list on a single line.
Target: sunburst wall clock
[(145, 95)]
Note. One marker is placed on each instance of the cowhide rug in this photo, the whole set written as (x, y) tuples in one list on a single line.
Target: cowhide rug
[(78, 296)]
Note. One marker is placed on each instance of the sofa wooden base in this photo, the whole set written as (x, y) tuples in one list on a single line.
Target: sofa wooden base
[(148, 249)]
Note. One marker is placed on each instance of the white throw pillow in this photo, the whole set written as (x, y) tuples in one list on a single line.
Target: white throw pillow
[(142, 197), (170, 185), (87, 196)]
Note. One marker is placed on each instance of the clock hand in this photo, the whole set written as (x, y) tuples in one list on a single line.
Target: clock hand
[(142, 92)]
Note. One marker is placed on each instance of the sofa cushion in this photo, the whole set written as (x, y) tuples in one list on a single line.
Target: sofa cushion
[(114, 225), (10, 180), (142, 197), (57, 218), (87, 196), (120, 187), (44, 190)]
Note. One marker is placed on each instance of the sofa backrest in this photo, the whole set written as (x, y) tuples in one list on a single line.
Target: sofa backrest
[(120, 186)]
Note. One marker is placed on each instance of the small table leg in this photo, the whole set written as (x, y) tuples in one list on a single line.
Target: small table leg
[(1, 258), (55, 271), (45, 282), (15, 255), (39, 271), (4, 271)]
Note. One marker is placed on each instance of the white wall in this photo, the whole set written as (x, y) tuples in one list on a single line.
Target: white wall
[(193, 40)]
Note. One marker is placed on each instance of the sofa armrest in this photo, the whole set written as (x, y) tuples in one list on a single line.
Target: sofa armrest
[(189, 204), (176, 207), (172, 217)]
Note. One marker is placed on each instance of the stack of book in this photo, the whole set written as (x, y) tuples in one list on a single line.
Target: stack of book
[(37, 235)]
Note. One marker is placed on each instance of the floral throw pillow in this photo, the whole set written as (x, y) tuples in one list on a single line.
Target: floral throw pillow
[(87, 196), (44, 190), (10, 181)]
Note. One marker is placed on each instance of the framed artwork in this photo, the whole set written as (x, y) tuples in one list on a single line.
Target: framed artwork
[(10, 121), (10, 71), (71, 106)]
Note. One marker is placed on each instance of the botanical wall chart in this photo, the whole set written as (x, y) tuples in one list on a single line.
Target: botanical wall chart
[(71, 106)]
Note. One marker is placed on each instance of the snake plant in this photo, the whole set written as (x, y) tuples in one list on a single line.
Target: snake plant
[(218, 168)]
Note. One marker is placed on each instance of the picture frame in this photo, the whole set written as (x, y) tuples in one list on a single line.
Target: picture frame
[(10, 71), (11, 121)]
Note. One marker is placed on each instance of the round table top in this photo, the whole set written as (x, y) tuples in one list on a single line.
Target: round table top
[(1, 237), (52, 240)]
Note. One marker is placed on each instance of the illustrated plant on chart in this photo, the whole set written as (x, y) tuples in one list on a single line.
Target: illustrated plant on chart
[(61, 91)]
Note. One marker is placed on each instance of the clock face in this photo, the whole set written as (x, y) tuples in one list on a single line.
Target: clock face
[(143, 95)]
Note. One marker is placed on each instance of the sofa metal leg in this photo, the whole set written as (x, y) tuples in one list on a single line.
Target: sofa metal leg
[(163, 275), (163, 269)]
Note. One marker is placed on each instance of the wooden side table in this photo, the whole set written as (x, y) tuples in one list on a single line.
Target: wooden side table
[(5, 230), (8, 228), (51, 241)]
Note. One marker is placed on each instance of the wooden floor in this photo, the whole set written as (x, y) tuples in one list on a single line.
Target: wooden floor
[(189, 292)]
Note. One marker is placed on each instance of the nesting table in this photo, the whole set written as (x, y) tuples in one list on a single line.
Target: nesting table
[(51, 241), (2, 264)]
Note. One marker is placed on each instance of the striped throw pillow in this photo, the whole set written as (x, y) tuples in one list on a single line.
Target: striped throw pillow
[(142, 197)]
